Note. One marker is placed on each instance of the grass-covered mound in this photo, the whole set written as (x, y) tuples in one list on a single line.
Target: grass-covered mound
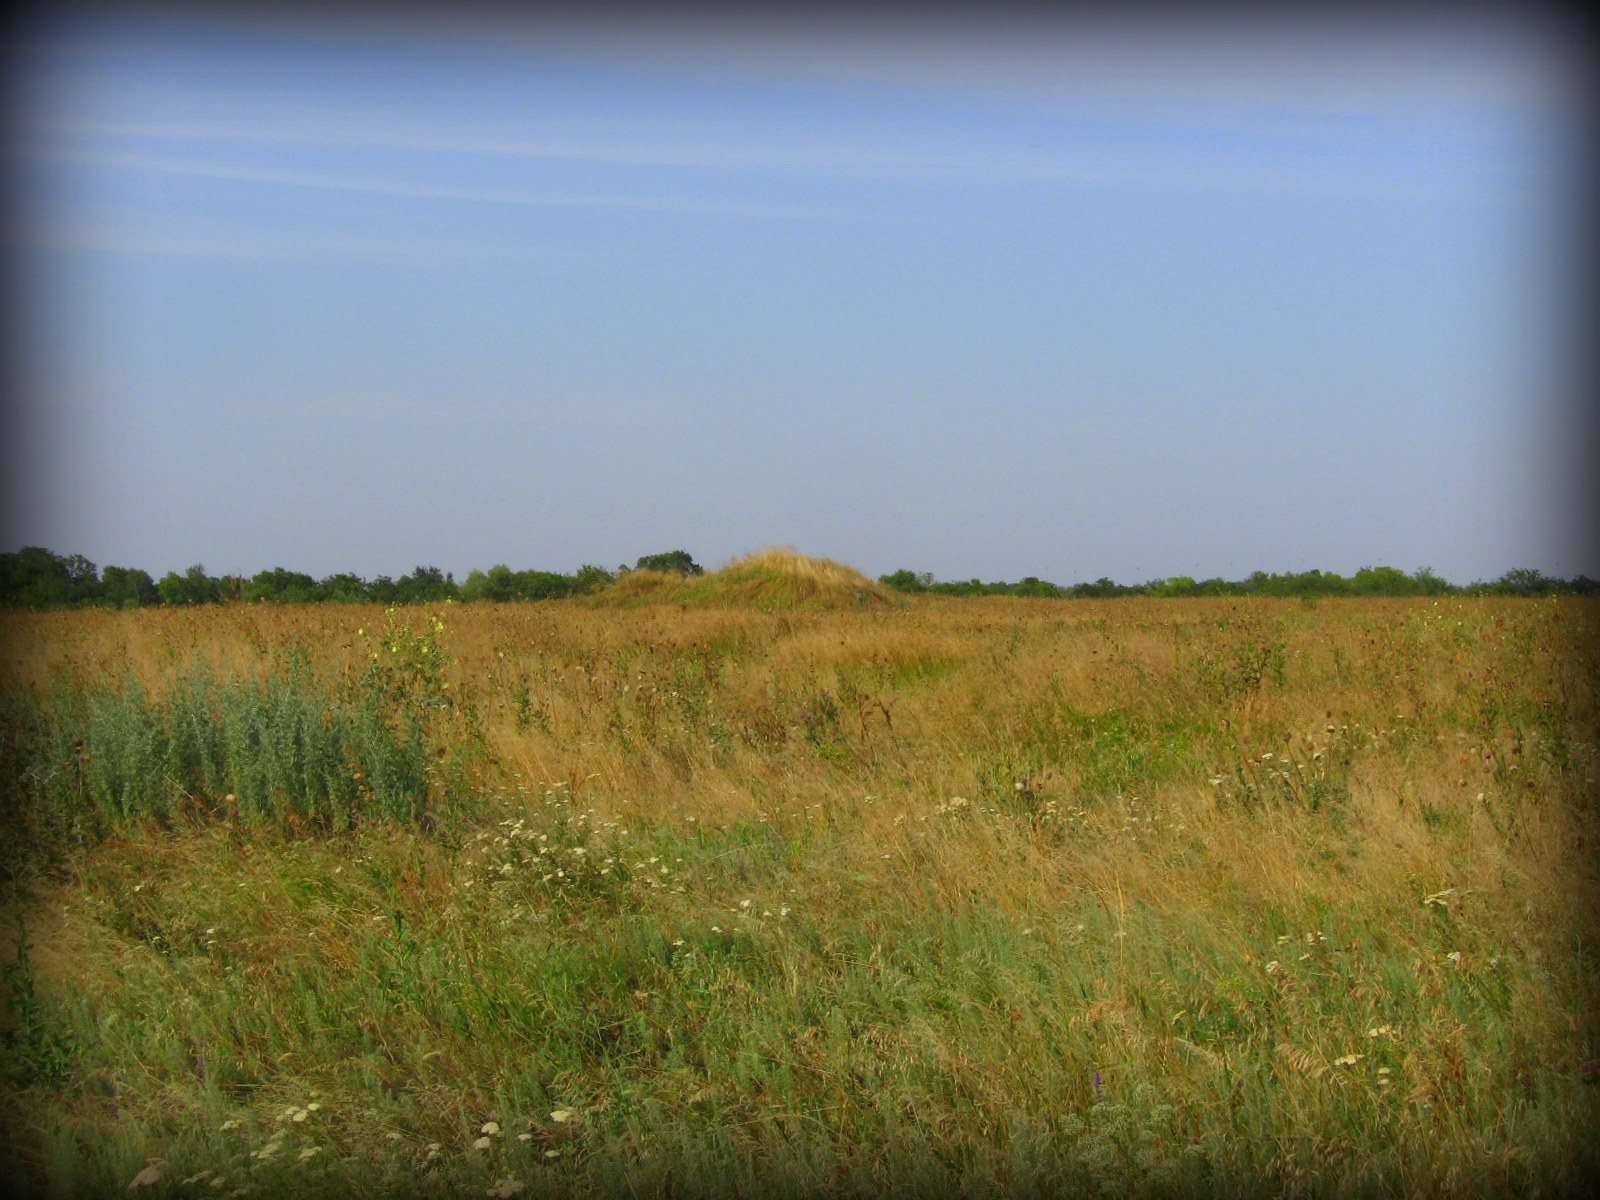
[(767, 579)]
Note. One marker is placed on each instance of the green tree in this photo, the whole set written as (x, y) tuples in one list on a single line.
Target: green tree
[(1176, 585), (589, 577), (425, 585), (35, 578), (673, 560), (905, 581), (544, 585), (1032, 585), (128, 587), (1100, 589), (194, 586), (1382, 581), (343, 588), (1524, 581), (281, 587), (1429, 583), (501, 583)]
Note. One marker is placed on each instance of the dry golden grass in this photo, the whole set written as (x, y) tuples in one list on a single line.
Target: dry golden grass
[(1200, 846)]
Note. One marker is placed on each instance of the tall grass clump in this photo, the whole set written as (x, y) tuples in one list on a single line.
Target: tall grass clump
[(277, 747), (272, 750)]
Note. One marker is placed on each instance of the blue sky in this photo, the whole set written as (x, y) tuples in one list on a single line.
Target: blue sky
[(997, 297)]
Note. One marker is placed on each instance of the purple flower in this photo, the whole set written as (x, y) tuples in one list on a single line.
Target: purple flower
[(1097, 1078), (1587, 1069)]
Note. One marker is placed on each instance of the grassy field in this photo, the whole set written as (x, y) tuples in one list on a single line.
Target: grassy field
[(808, 891)]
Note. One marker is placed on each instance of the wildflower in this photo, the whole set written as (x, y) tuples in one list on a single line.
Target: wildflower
[(552, 1154), (1381, 1031), (482, 1143), (1098, 1082), (490, 1127), (310, 1152), (1349, 1060), (1588, 1070), (561, 1115)]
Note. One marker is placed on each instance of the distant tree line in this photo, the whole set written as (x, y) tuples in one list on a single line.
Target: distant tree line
[(33, 577), (1369, 581)]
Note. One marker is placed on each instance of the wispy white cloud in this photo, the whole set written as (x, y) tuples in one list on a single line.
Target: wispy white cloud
[(1071, 160), (334, 182), (260, 244), (1336, 110)]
